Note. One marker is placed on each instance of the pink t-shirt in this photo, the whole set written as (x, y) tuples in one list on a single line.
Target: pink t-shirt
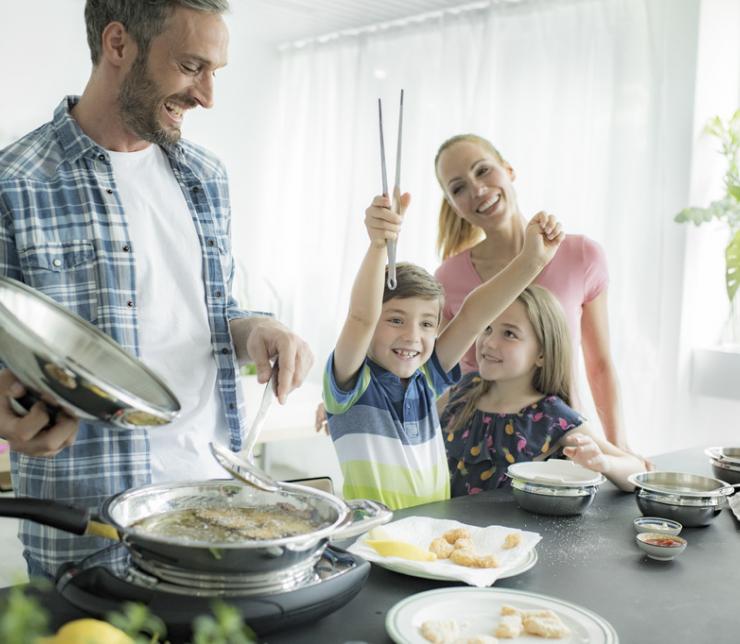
[(575, 276)]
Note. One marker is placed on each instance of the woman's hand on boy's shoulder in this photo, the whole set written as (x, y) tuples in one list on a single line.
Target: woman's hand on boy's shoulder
[(543, 236), (381, 221)]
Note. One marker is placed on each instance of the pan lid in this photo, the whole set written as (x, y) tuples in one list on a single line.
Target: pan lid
[(66, 359)]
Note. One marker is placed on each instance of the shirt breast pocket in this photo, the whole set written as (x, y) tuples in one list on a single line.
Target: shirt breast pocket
[(66, 272)]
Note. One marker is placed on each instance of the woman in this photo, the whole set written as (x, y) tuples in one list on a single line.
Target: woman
[(481, 229)]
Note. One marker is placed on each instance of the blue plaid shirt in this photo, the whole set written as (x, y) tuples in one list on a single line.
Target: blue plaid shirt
[(63, 231)]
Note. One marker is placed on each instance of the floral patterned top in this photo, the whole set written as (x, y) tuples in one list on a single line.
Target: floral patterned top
[(479, 453)]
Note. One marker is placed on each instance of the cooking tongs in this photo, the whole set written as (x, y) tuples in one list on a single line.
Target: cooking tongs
[(396, 200)]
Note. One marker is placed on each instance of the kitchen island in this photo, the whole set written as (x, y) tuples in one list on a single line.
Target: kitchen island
[(589, 560)]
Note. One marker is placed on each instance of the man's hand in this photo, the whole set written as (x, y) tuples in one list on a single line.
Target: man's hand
[(267, 340), (29, 434)]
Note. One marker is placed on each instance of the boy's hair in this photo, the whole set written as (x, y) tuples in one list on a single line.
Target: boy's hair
[(413, 281), (454, 234), (143, 19), (554, 377)]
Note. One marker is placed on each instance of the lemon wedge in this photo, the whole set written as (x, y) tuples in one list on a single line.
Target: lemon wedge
[(401, 549)]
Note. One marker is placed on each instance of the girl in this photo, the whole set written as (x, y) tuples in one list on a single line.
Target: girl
[(518, 408), (481, 230)]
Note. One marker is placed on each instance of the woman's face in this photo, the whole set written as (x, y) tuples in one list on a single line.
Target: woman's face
[(477, 185)]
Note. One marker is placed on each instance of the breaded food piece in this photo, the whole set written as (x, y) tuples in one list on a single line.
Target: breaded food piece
[(441, 548), (513, 539), (477, 639), (510, 610), (464, 543), (458, 533), (509, 627), (545, 626), (471, 559), (440, 631)]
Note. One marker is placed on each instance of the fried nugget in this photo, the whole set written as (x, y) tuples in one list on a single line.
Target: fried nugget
[(440, 631), (441, 548), (458, 533), (477, 639), (545, 626), (513, 539), (509, 627), (463, 543), (471, 559)]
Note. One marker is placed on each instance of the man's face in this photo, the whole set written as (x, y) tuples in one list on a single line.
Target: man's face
[(175, 75)]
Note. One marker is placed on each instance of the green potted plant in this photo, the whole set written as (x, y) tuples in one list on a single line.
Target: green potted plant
[(726, 210)]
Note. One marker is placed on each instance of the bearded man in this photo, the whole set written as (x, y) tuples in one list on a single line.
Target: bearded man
[(108, 211)]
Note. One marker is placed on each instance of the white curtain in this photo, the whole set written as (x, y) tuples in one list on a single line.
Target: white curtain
[(577, 96)]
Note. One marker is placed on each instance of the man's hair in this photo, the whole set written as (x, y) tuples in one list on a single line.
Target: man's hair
[(143, 19), (413, 281)]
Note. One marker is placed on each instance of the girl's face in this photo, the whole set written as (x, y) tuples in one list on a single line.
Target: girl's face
[(508, 349), (477, 185), (404, 338)]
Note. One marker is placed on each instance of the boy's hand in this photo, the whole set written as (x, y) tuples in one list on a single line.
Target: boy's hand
[(381, 222), (542, 237), (584, 451)]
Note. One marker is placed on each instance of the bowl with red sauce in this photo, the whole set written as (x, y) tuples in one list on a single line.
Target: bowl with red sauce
[(662, 547)]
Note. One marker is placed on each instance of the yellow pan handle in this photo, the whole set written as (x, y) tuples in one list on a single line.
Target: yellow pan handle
[(97, 529)]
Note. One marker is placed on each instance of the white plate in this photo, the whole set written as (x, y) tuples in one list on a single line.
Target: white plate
[(555, 472), (527, 562), (478, 611)]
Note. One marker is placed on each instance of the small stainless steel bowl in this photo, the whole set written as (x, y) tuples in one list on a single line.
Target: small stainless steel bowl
[(659, 551), (728, 455), (555, 501), (657, 524), (726, 471), (690, 499)]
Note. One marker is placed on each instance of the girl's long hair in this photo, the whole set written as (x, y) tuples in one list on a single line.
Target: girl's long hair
[(454, 234), (554, 377)]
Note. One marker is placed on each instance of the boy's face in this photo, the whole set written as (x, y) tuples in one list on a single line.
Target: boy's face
[(405, 335)]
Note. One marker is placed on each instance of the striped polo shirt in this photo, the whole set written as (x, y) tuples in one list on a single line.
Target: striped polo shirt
[(387, 435)]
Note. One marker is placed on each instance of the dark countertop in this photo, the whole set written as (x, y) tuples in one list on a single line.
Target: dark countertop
[(590, 560)]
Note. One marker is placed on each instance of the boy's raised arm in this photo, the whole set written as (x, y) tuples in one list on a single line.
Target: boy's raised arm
[(486, 302), (366, 301)]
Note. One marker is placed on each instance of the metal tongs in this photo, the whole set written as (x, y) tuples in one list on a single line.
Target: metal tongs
[(259, 420), (396, 200)]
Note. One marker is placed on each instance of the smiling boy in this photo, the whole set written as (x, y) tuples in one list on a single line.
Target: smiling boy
[(391, 362)]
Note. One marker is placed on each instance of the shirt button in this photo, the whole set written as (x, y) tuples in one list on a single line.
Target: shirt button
[(211, 242), (130, 303), (101, 157), (225, 351), (126, 248), (232, 406), (196, 188), (109, 191), (217, 293), (57, 262)]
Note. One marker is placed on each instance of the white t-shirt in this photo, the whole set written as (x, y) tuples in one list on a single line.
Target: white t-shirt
[(174, 335)]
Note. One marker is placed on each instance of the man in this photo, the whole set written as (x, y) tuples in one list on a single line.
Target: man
[(109, 212)]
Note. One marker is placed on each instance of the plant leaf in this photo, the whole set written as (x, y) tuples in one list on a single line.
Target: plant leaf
[(732, 265)]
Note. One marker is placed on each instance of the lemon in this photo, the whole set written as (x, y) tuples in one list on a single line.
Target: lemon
[(401, 549), (87, 631)]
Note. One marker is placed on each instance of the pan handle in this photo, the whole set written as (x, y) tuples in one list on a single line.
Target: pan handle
[(69, 518), (365, 515)]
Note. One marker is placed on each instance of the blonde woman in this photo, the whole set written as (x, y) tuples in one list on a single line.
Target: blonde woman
[(481, 230), (518, 407)]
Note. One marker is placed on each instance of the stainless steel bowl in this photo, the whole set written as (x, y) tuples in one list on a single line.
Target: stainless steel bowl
[(70, 363), (555, 501), (690, 499), (726, 471)]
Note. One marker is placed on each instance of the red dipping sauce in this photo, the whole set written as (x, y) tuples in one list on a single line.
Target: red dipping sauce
[(662, 541)]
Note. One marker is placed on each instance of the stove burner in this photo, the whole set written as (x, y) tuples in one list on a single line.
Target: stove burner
[(332, 582)]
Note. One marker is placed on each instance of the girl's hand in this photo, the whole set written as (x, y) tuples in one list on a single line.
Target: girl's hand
[(583, 450), (381, 222), (542, 237)]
